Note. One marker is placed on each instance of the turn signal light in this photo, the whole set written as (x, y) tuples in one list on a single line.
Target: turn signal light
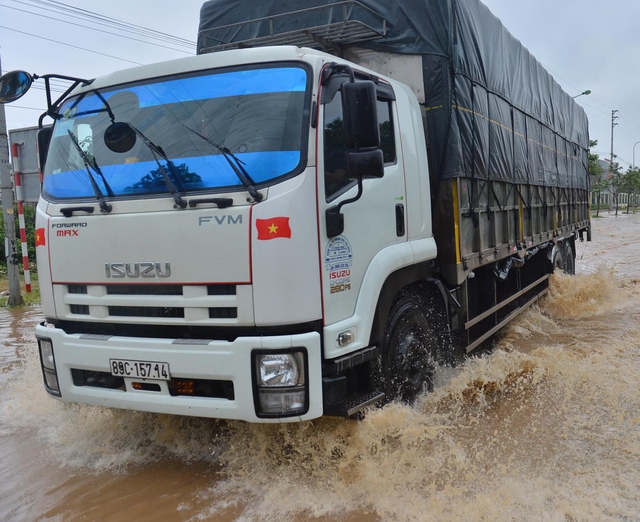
[(146, 386), (184, 387)]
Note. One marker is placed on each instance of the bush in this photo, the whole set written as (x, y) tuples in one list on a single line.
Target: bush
[(30, 226)]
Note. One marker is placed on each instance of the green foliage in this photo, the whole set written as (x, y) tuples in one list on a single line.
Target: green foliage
[(30, 298), (631, 185), (616, 177), (597, 178), (180, 175), (596, 173), (30, 226), (631, 181)]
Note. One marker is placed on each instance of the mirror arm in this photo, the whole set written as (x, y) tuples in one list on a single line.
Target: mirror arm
[(335, 219), (334, 68), (52, 108)]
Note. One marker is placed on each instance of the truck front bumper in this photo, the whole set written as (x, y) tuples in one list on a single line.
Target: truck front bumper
[(209, 378)]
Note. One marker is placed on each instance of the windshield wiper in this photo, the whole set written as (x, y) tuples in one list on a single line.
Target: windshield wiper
[(236, 165), (155, 149), (104, 206)]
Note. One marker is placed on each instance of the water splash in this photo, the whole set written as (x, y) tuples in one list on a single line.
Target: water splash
[(544, 426)]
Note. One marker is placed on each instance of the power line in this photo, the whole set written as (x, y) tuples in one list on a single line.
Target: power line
[(556, 75), (597, 117), (83, 14), (585, 104), (69, 45), (632, 128), (55, 82), (23, 107), (629, 135), (96, 29), (54, 87)]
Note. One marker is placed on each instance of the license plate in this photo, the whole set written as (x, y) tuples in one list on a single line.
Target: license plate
[(140, 369)]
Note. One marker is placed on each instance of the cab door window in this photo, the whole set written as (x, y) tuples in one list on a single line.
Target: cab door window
[(335, 166)]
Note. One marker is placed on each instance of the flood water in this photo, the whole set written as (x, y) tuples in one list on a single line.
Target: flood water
[(545, 427)]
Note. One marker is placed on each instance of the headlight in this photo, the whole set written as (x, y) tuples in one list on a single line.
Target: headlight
[(283, 369), (48, 366), (51, 382), (282, 401), (46, 352), (280, 383)]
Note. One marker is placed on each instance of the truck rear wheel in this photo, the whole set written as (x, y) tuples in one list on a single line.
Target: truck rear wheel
[(409, 349), (564, 259), (569, 260), (558, 260)]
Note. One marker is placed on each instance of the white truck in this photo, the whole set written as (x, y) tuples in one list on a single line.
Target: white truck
[(274, 233)]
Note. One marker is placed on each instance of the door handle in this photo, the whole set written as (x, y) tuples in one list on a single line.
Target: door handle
[(400, 228)]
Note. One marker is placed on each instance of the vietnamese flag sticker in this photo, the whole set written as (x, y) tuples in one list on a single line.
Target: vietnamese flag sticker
[(273, 227), (40, 241)]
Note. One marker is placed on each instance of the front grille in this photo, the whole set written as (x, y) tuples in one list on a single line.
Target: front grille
[(96, 379), (221, 289), (213, 389), (202, 388), (144, 289), (223, 313), (79, 309), (212, 304), (145, 311)]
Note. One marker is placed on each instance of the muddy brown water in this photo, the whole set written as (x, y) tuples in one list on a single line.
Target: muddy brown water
[(545, 427)]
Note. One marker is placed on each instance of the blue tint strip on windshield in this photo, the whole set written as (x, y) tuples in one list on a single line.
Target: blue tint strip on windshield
[(202, 172), (220, 85)]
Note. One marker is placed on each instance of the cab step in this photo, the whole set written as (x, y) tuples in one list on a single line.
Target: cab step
[(359, 402)]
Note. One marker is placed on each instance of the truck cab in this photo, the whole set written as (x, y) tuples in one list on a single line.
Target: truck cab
[(183, 221)]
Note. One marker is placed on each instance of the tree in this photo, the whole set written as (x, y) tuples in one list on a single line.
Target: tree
[(616, 181), (596, 173), (30, 227), (631, 186), (180, 175)]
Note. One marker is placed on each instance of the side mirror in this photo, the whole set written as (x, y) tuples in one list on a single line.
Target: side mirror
[(360, 114), (14, 85), (365, 164), (44, 138)]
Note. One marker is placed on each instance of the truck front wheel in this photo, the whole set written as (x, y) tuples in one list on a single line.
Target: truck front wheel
[(409, 347)]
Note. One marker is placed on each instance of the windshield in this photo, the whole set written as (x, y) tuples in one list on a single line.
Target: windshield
[(257, 114)]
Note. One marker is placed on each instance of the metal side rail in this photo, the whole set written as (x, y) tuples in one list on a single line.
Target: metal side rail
[(509, 317), (350, 22)]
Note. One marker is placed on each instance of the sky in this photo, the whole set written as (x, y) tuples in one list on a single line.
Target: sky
[(584, 44)]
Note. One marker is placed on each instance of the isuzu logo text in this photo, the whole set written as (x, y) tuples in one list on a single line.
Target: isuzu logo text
[(138, 269), (226, 219)]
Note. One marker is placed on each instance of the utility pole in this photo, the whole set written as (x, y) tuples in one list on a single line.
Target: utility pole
[(6, 196), (611, 172), (613, 124)]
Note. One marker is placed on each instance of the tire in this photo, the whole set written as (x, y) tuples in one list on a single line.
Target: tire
[(569, 260), (559, 259), (564, 259), (409, 348)]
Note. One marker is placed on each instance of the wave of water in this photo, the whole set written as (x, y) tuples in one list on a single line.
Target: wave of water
[(546, 427)]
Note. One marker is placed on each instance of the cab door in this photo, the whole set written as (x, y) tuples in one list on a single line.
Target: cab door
[(376, 220)]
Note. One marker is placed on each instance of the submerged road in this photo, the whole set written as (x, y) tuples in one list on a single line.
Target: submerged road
[(545, 427)]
